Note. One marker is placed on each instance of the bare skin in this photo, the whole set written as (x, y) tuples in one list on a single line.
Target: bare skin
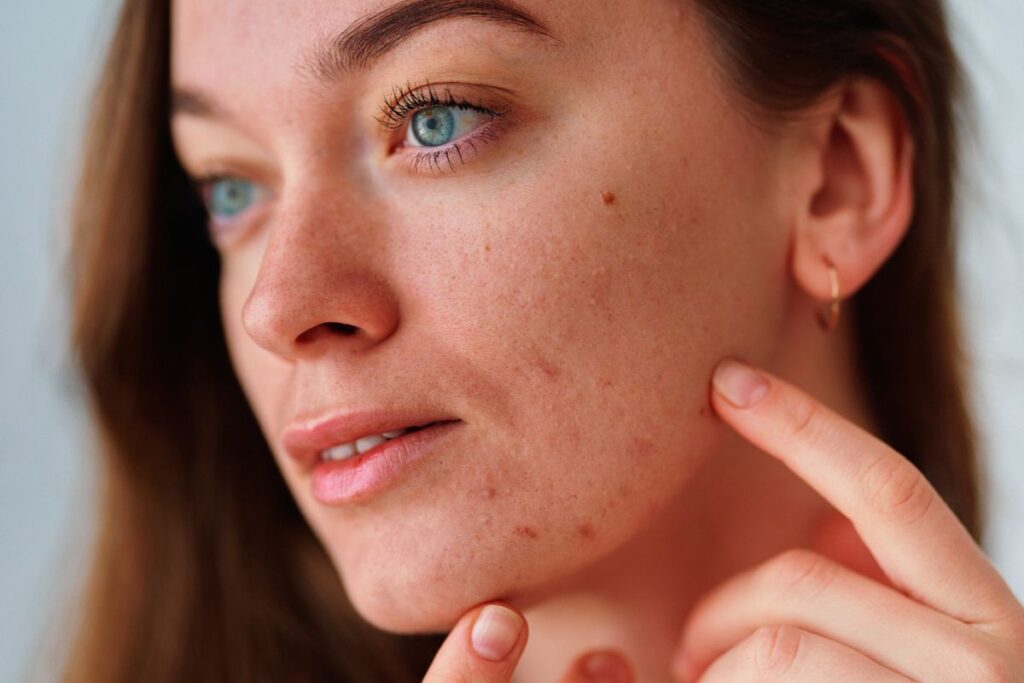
[(563, 278)]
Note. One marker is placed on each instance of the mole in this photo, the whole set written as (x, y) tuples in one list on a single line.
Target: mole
[(608, 198)]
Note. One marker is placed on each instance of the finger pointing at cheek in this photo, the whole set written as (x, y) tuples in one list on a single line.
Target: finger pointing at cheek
[(917, 540)]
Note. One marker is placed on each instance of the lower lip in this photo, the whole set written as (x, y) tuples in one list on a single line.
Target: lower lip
[(336, 482)]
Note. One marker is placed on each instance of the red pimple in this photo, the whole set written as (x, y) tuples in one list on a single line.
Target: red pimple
[(527, 531), (608, 198)]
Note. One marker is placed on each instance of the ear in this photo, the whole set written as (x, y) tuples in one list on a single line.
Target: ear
[(858, 197)]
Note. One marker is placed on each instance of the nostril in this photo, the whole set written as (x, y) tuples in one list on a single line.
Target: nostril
[(343, 328)]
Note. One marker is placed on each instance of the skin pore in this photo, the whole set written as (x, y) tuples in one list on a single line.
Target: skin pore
[(564, 286)]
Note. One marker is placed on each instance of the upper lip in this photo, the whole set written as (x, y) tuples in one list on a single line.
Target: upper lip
[(305, 440)]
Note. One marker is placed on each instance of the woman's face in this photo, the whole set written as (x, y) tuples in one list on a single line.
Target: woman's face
[(559, 269)]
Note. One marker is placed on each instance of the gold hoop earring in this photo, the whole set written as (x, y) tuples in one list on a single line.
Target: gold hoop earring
[(828, 321)]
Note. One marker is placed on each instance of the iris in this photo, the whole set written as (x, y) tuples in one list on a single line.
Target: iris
[(229, 197), (434, 127)]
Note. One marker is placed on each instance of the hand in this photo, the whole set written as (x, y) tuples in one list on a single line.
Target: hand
[(946, 615), (487, 642)]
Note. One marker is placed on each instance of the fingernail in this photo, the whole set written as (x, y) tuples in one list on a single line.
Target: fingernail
[(495, 632), (604, 667), (740, 385)]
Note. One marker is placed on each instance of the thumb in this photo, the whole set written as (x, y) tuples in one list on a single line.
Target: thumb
[(600, 666), (484, 647)]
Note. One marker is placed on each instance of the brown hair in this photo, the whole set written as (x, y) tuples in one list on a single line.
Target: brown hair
[(204, 568)]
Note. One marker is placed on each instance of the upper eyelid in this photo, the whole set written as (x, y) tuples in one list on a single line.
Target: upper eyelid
[(403, 101)]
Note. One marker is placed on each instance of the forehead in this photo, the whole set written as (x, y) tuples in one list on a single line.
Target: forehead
[(268, 56), (274, 37)]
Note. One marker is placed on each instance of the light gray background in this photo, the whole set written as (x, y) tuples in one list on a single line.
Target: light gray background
[(49, 52)]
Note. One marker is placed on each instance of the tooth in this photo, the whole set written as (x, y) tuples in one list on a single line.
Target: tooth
[(367, 442), (391, 435), (341, 452)]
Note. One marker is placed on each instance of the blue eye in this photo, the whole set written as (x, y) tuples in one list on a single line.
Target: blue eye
[(436, 126), (227, 197)]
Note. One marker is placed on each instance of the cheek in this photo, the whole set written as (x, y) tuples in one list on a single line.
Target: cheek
[(600, 322)]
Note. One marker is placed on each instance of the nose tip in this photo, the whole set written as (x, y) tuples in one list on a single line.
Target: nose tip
[(292, 317)]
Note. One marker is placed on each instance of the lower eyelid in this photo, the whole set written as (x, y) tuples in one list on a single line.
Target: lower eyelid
[(450, 157)]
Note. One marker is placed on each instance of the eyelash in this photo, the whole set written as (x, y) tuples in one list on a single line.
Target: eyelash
[(405, 102)]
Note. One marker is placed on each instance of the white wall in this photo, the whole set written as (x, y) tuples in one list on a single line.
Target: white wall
[(48, 54)]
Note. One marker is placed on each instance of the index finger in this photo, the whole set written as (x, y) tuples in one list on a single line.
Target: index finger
[(914, 536)]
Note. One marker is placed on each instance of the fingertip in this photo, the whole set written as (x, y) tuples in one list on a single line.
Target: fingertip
[(740, 385), (496, 631), (601, 666)]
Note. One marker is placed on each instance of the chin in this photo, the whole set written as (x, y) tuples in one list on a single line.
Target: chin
[(413, 598)]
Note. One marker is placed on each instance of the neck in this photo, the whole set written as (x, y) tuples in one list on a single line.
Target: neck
[(740, 508)]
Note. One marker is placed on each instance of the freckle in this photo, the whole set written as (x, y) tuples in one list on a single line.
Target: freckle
[(608, 198), (586, 531), (527, 531), (487, 247)]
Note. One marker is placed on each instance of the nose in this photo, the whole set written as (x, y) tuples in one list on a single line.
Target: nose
[(316, 287)]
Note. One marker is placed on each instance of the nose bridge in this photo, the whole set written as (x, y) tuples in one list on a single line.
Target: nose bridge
[(316, 284)]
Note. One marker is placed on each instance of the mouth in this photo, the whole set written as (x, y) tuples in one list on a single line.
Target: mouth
[(351, 435), (365, 444), (343, 479)]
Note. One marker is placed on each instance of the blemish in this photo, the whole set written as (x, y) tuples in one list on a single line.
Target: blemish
[(606, 382), (487, 247), (527, 531), (642, 446), (491, 493), (586, 530), (549, 370), (608, 198)]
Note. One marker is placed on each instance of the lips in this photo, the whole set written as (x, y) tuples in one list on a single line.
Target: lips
[(304, 441)]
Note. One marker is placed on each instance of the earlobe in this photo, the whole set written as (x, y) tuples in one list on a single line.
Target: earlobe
[(859, 207)]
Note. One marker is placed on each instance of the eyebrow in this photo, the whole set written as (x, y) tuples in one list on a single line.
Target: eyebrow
[(367, 40)]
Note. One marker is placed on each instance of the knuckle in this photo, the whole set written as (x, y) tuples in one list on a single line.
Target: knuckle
[(774, 649), (799, 569), (896, 489), (801, 415)]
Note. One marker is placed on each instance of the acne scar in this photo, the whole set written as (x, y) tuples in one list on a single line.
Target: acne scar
[(549, 370), (527, 531), (608, 198)]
